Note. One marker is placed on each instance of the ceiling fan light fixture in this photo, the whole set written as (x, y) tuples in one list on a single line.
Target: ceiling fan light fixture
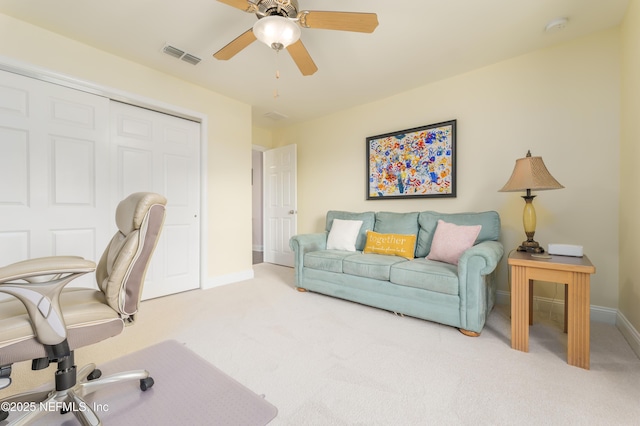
[(276, 31)]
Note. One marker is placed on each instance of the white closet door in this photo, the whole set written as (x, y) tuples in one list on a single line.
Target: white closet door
[(151, 151), (68, 157), (53, 178)]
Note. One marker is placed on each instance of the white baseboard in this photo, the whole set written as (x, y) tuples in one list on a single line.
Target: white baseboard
[(257, 247), (228, 279), (629, 333), (597, 313), (503, 297), (544, 304)]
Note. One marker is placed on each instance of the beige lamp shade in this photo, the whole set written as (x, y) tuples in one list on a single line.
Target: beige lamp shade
[(530, 173)]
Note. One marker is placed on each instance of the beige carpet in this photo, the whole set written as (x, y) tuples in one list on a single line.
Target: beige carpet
[(324, 361)]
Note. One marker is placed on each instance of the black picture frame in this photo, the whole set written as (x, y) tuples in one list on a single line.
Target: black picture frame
[(413, 163)]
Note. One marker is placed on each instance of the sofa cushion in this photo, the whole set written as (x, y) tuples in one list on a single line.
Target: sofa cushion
[(396, 223), (367, 218), (374, 266), (402, 245), (451, 240), (343, 234), (326, 260), (426, 274), (428, 221)]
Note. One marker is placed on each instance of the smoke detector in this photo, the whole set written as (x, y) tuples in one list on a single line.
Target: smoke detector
[(556, 25), (275, 116)]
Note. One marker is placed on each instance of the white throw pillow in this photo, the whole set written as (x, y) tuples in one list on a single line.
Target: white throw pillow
[(343, 234)]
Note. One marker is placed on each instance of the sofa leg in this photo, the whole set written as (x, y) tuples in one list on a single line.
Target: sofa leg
[(469, 332), (301, 290)]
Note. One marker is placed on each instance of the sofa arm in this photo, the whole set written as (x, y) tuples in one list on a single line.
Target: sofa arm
[(305, 243), (475, 277), (490, 251)]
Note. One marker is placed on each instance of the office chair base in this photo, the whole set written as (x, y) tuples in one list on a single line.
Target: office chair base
[(89, 380), (5, 377)]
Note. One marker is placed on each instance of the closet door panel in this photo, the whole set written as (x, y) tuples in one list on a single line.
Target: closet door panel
[(159, 152), (73, 172), (54, 196), (14, 167), (134, 170)]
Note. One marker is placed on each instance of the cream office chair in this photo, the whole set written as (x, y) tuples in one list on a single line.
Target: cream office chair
[(46, 322)]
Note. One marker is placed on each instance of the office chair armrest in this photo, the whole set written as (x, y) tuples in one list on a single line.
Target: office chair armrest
[(37, 283), (45, 266)]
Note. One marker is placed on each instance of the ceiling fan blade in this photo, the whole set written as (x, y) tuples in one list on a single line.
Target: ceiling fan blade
[(301, 57), (233, 48), (343, 21), (243, 5)]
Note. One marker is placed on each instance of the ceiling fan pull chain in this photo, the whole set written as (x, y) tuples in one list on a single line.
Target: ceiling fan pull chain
[(276, 95)]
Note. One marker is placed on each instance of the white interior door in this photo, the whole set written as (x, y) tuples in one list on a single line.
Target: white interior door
[(53, 178), (280, 204), (157, 152)]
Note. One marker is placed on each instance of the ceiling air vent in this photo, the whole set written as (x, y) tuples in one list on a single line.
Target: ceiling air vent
[(193, 60), (173, 51), (180, 54), (275, 116)]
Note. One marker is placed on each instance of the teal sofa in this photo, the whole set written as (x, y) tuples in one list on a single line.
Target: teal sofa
[(460, 296)]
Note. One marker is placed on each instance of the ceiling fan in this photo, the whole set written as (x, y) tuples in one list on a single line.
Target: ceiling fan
[(279, 23)]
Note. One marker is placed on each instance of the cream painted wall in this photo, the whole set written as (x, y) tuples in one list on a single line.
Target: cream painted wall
[(562, 103), (629, 171), (262, 137), (229, 131)]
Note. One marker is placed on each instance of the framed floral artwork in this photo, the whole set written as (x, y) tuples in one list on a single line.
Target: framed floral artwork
[(419, 162)]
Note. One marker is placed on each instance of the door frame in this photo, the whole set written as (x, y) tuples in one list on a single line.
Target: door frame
[(261, 150), (42, 74)]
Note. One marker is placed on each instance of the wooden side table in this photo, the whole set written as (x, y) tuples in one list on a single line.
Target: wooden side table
[(575, 273)]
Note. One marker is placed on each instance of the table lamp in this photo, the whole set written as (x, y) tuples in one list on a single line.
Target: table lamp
[(530, 174)]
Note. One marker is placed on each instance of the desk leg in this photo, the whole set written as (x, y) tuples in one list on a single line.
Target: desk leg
[(566, 307), (519, 308), (530, 302), (578, 321)]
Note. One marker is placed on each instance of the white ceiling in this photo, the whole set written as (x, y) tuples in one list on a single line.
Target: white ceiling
[(417, 42)]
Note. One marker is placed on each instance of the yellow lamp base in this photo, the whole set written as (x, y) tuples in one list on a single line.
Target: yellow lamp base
[(529, 222)]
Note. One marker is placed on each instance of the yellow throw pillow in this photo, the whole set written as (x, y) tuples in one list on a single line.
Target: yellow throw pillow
[(390, 244)]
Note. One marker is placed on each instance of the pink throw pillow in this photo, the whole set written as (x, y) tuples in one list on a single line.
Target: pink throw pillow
[(450, 241)]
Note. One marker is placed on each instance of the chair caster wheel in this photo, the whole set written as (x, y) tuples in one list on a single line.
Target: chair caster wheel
[(95, 374), (146, 383)]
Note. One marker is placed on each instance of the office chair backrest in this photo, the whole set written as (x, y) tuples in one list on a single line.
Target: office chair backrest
[(121, 271)]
